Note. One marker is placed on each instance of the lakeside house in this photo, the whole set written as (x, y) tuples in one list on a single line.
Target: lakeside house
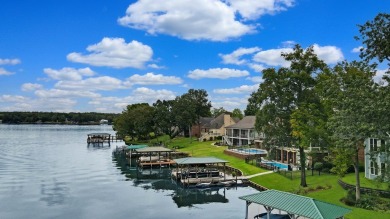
[(376, 157), (243, 133), (210, 128)]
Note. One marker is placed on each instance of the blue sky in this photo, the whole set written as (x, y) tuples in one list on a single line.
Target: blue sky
[(101, 55)]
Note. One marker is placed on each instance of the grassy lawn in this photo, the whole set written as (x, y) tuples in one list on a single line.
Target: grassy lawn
[(330, 190), (364, 182)]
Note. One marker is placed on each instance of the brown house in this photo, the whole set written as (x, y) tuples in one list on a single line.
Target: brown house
[(209, 128)]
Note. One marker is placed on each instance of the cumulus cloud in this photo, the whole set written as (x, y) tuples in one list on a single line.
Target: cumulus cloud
[(150, 79), (68, 74), (250, 9), (272, 57), (12, 98), (31, 87), (256, 79), (379, 75), (235, 57), (229, 103), (216, 20), (204, 20), (220, 73), (57, 93), (357, 49), (116, 53), (256, 67), (97, 83), (5, 72), (9, 61), (155, 66), (237, 90), (330, 54), (41, 104)]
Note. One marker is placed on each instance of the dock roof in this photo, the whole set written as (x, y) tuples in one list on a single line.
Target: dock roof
[(99, 134), (297, 205), (153, 149), (199, 160), (138, 146)]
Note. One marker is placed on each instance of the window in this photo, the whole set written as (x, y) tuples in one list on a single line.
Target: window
[(383, 168), (373, 144), (374, 168)]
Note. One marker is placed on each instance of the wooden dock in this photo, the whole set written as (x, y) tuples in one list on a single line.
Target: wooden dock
[(158, 163)]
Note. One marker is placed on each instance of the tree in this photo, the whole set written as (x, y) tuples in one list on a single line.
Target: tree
[(237, 113), (253, 103), (215, 112), (196, 104), (375, 36), (289, 112), (135, 121), (353, 95), (164, 117)]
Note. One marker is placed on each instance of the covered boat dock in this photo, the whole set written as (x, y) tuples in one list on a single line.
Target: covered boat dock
[(154, 156), (99, 138), (195, 170), (294, 206)]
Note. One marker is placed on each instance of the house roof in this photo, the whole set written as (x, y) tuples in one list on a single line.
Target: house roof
[(248, 122), (199, 160), (215, 123), (297, 205)]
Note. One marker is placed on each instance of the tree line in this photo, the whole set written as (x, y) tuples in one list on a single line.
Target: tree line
[(170, 117), (55, 117)]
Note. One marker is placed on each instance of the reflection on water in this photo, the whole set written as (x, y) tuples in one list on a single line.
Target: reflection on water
[(48, 171), (54, 193), (160, 179)]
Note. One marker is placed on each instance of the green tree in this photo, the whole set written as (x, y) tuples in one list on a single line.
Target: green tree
[(164, 118), (215, 112), (289, 103), (375, 36), (353, 95), (237, 113)]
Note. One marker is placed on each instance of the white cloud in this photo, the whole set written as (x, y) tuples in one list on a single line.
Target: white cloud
[(42, 104), (98, 83), (139, 95), (229, 103), (151, 78), (272, 57), (330, 54), (234, 57), (256, 79), (237, 90), (115, 52), (57, 93), (257, 67), (68, 74), (289, 44), (12, 98), (221, 73), (379, 74), (357, 49), (31, 87), (250, 9), (201, 20), (9, 61), (5, 72), (155, 66)]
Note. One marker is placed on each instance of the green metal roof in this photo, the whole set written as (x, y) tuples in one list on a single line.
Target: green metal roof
[(130, 147), (153, 149), (296, 204), (199, 160)]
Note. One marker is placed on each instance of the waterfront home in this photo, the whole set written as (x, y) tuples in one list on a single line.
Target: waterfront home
[(376, 157), (243, 133), (210, 128)]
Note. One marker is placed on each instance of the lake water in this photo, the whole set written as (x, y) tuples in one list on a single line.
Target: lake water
[(48, 171)]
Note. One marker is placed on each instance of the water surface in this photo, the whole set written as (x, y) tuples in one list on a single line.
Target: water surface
[(48, 171)]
